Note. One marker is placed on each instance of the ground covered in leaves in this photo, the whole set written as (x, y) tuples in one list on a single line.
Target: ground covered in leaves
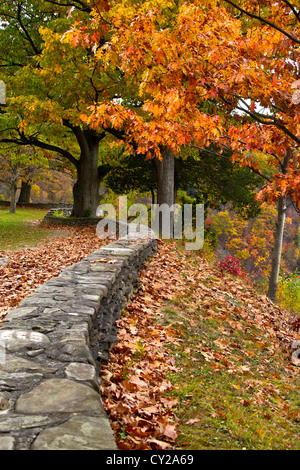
[(203, 361), (23, 270)]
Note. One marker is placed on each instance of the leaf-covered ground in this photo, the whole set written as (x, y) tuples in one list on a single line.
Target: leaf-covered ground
[(22, 271), (203, 361)]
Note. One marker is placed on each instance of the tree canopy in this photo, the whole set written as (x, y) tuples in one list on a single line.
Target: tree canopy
[(159, 75), (49, 84), (205, 72)]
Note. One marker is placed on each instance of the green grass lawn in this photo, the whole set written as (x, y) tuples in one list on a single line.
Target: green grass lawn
[(22, 229)]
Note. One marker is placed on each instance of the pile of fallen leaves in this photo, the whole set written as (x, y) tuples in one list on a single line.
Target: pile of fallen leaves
[(24, 270)]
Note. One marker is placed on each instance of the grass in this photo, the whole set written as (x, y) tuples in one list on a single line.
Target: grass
[(221, 406), (235, 389), (22, 229)]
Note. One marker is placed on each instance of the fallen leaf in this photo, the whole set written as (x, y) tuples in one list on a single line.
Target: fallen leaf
[(192, 421)]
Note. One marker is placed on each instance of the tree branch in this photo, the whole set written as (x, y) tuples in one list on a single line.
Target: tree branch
[(36, 50), (297, 14), (80, 5), (43, 145), (263, 20), (263, 118)]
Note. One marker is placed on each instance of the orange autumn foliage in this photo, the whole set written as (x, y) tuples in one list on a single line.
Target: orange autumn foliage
[(202, 73)]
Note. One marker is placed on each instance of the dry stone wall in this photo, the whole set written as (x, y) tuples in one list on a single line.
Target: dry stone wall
[(52, 347), (61, 216)]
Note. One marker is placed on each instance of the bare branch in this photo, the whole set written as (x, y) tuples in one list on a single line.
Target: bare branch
[(264, 20), (80, 5)]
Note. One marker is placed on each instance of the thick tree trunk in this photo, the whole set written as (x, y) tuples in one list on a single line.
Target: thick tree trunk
[(24, 197), (276, 256), (165, 171), (86, 189)]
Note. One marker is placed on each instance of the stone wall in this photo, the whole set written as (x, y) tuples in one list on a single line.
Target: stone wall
[(61, 216), (52, 347)]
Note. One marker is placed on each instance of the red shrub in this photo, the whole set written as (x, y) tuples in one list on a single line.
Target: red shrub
[(231, 265)]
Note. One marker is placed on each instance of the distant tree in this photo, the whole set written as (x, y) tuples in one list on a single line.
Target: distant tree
[(215, 181), (19, 164), (130, 173), (207, 176)]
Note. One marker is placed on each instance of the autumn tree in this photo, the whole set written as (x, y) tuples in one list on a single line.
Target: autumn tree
[(223, 72), (24, 196), (19, 164), (267, 91), (148, 126), (49, 84), (248, 241)]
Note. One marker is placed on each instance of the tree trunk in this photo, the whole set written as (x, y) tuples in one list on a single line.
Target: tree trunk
[(165, 171), (86, 189), (276, 256), (13, 200), (24, 197)]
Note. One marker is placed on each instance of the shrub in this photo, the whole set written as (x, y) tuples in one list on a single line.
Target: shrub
[(231, 265), (288, 294)]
